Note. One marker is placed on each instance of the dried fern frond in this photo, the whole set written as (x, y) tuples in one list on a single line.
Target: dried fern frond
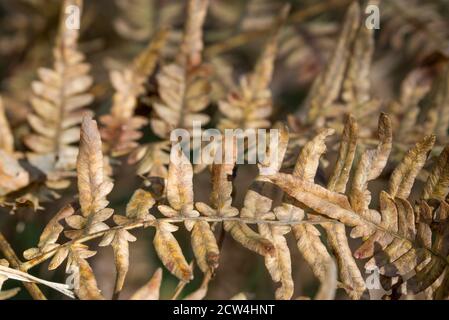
[(12, 175), (92, 188), (251, 106), (9, 273), (183, 85), (180, 198), (93, 185), (418, 28), (58, 101), (121, 126), (326, 87), (390, 236)]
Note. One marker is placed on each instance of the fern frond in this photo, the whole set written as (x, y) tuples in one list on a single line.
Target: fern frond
[(390, 236), (59, 98), (121, 126), (251, 106)]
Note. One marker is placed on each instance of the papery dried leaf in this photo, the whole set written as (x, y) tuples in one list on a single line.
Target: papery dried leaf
[(340, 175), (221, 194), (183, 85), (139, 205), (326, 86), (404, 175), (119, 239), (92, 184), (58, 99), (308, 160), (318, 198), (121, 126), (279, 264), (348, 270), (249, 238), (152, 158), (308, 237), (86, 287), (383, 148), (151, 290), (170, 253), (205, 247), (250, 105), (311, 248), (356, 84), (180, 187), (192, 44), (437, 184)]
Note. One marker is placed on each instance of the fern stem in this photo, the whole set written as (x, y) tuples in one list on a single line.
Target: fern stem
[(14, 261), (139, 224)]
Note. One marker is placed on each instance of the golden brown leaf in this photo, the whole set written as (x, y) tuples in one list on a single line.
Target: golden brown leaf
[(58, 101), (85, 285), (250, 105), (119, 239), (403, 177), (205, 247), (327, 85), (437, 184), (180, 188), (169, 251), (121, 126), (151, 290)]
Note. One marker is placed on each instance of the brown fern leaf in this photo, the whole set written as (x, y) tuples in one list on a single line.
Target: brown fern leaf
[(58, 101), (395, 243), (258, 205), (170, 253), (326, 87), (121, 126), (180, 198), (12, 175), (85, 285), (251, 106), (93, 185), (183, 85), (119, 239)]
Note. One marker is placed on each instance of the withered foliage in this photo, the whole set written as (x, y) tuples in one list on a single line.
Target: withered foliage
[(356, 180)]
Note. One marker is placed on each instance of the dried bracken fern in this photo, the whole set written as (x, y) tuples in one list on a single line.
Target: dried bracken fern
[(58, 101), (337, 171)]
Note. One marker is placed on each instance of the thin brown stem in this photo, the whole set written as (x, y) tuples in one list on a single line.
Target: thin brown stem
[(15, 262), (178, 290), (139, 224)]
